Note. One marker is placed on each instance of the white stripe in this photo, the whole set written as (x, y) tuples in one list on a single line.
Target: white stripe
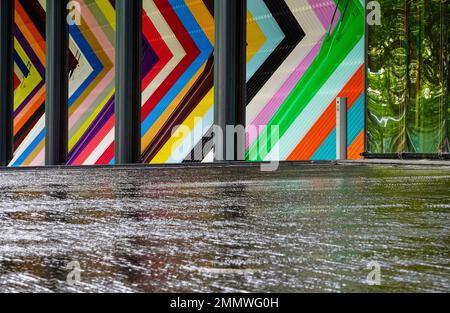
[(172, 43), (314, 31), (100, 149), (196, 134), (317, 106)]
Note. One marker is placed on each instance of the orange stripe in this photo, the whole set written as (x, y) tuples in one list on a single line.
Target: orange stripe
[(28, 110), (356, 148), (327, 122), (29, 29)]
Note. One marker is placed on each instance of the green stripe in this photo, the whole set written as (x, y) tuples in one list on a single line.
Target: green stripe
[(348, 32)]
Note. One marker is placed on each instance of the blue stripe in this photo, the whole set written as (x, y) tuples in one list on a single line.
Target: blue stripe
[(90, 56), (19, 62), (327, 151), (273, 33), (205, 47), (30, 148)]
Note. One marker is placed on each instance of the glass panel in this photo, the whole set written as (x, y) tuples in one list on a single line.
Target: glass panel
[(177, 78), (29, 82), (387, 80), (427, 76), (92, 84)]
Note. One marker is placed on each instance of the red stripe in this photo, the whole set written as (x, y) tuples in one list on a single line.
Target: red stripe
[(158, 45), (327, 122), (188, 45), (94, 142), (107, 156)]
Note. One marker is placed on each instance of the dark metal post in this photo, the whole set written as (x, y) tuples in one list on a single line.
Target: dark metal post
[(230, 78), (128, 81), (57, 81), (6, 81)]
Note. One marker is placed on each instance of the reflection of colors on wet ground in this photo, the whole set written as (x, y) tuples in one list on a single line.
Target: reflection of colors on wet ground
[(302, 228)]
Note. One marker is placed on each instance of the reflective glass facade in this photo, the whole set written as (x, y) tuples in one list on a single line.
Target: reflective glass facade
[(408, 78)]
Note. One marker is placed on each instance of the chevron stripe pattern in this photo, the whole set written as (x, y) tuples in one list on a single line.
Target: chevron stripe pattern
[(178, 77), (313, 53), (92, 84), (29, 82), (301, 55)]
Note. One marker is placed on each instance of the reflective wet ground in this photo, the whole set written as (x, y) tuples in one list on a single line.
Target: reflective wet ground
[(303, 228)]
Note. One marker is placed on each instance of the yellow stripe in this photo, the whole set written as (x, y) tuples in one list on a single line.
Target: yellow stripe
[(34, 153), (80, 131), (203, 17), (27, 84), (108, 11), (173, 143), (255, 36)]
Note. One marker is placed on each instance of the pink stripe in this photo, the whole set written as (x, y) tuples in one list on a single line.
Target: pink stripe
[(274, 104), (324, 11), (39, 160), (95, 142), (96, 92), (96, 29), (109, 50)]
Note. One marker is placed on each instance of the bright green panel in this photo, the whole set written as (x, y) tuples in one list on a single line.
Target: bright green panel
[(427, 103), (387, 80)]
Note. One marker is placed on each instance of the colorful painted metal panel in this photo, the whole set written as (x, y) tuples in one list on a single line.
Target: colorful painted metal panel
[(29, 82), (302, 55), (92, 84), (178, 77)]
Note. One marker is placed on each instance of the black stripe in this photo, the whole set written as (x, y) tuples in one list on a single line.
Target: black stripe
[(207, 144), (36, 13), (28, 126), (294, 35)]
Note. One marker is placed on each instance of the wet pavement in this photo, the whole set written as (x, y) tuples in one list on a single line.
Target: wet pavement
[(304, 228)]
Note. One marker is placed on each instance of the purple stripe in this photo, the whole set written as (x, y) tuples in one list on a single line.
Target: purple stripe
[(29, 51), (93, 129), (149, 58), (36, 63)]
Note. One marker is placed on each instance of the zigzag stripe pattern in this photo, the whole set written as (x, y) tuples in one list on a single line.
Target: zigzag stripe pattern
[(29, 82), (177, 75), (178, 87), (301, 55), (92, 83), (299, 95)]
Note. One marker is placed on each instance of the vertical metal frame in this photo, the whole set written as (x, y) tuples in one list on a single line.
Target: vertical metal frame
[(230, 76), (6, 81), (57, 82), (128, 82)]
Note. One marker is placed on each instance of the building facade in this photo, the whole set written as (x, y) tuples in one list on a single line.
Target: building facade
[(301, 56)]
